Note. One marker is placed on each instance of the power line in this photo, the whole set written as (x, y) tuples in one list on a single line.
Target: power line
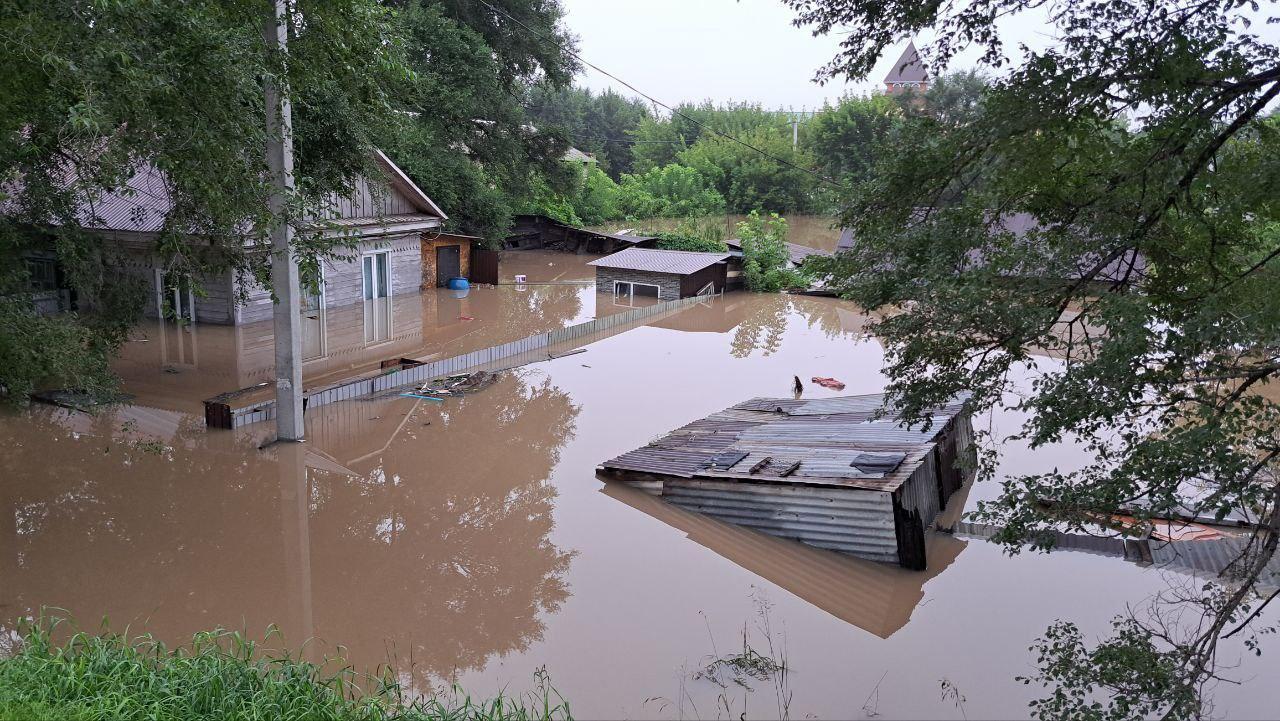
[(657, 102)]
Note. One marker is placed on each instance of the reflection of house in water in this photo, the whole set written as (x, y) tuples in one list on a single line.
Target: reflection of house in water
[(367, 536), (873, 596), (171, 366)]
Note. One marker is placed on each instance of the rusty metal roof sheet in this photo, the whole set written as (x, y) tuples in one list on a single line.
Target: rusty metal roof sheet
[(678, 262), (790, 441)]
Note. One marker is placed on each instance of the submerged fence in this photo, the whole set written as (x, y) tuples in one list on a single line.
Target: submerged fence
[(222, 411)]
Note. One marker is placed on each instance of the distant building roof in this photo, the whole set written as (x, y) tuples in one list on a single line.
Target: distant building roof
[(632, 238), (1020, 225), (577, 156), (908, 69), (797, 253), (679, 262)]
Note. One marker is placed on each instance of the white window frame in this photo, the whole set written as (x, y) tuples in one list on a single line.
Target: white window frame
[(631, 291), (390, 289), (387, 297)]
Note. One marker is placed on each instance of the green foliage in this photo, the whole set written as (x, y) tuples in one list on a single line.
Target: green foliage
[(672, 191), (221, 675), (749, 180), (468, 142), (764, 254), (678, 241), (1149, 281), (91, 94), (844, 139), (598, 124)]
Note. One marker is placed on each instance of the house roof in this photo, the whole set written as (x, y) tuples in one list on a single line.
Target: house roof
[(1020, 226), (797, 253), (577, 156), (401, 182), (908, 68), (679, 262), (839, 441), (143, 203)]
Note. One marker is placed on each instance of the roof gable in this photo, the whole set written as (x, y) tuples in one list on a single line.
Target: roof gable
[(908, 68)]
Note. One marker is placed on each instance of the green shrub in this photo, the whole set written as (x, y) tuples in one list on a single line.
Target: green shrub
[(764, 254)]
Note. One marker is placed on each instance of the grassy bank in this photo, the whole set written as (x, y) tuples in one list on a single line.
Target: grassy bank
[(220, 675)]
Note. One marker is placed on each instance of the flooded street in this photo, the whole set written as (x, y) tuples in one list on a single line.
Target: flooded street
[(471, 541)]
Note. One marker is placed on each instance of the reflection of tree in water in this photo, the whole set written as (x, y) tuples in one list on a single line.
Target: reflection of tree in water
[(438, 554), (447, 533), (762, 327), (544, 308), (835, 318)]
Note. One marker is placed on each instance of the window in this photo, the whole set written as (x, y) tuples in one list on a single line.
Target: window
[(44, 274), (625, 293), (377, 297), (377, 275)]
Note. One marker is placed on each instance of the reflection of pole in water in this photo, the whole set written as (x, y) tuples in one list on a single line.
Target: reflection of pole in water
[(299, 625)]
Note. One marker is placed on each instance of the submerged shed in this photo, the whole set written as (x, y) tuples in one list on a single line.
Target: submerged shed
[(826, 472), (661, 274)]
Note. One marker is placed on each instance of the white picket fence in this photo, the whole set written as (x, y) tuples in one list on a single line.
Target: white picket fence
[(510, 354)]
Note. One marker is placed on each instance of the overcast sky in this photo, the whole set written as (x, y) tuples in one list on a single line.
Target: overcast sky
[(692, 50)]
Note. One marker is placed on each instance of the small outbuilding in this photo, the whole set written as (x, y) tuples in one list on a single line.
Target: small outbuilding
[(661, 274), (838, 473), (445, 256)]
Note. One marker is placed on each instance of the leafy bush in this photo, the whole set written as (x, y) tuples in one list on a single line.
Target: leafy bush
[(764, 254), (221, 675), (678, 241), (672, 191)]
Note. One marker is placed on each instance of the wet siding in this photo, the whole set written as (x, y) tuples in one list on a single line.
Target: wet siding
[(853, 520)]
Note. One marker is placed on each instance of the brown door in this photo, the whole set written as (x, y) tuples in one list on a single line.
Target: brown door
[(448, 264)]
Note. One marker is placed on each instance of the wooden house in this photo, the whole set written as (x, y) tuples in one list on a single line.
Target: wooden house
[(384, 218)]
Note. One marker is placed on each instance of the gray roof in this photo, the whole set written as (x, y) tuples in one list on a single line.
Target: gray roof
[(908, 69), (837, 441), (577, 156), (144, 202), (1020, 225), (679, 262)]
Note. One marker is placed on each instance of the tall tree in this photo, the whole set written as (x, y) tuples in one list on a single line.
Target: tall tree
[(468, 140), (602, 125), (1113, 200)]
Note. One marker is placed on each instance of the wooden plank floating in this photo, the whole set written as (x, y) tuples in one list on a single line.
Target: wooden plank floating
[(827, 472)]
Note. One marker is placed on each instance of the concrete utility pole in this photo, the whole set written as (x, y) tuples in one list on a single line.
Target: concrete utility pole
[(284, 270)]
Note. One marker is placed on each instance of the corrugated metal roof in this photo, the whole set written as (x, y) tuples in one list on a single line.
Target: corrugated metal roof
[(678, 262), (823, 436)]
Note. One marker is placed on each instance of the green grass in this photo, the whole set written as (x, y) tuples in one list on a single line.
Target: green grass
[(220, 675)]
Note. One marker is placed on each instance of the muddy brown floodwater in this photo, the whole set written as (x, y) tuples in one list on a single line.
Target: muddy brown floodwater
[(470, 541)]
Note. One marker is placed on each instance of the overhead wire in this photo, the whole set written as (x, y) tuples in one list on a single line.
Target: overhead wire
[(659, 103)]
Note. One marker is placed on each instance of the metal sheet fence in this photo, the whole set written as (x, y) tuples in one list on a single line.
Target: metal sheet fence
[(510, 354)]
